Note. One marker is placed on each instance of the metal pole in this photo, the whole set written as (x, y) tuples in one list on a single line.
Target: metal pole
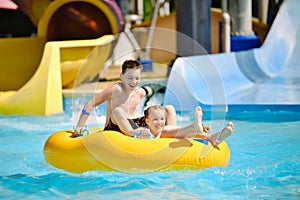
[(152, 29), (241, 14), (263, 10), (226, 27)]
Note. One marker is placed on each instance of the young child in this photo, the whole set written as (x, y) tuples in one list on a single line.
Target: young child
[(155, 117), (122, 99)]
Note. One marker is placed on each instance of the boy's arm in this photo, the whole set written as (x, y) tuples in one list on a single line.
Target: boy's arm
[(103, 96), (122, 121)]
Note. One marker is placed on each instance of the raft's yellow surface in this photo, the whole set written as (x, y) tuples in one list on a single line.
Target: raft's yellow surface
[(110, 150)]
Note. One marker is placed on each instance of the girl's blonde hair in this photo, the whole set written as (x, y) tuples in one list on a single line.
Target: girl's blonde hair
[(155, 107)]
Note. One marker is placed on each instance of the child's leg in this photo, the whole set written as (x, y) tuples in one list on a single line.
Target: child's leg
[(190, 130), (170, 115)]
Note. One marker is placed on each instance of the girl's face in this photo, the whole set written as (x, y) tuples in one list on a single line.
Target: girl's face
[(131, 78), (156, 120)]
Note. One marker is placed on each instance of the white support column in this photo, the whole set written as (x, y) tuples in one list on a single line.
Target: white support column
[(226, 27), (263, 10), (241, 14)]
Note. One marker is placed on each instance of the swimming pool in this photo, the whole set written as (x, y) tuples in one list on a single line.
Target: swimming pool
[(265, 163)]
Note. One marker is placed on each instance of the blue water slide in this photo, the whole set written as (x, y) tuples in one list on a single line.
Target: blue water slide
[(268, 75)]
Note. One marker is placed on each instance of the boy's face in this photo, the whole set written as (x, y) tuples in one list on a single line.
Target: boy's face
[(131, 78), (156, 120)]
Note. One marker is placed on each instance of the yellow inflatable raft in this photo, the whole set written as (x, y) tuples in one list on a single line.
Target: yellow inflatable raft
[(110, 150)]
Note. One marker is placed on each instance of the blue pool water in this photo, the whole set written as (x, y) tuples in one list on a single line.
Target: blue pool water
[(265, 163)]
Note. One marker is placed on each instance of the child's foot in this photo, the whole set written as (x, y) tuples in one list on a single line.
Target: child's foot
[(219, 137), (226, 132), (198, 119)]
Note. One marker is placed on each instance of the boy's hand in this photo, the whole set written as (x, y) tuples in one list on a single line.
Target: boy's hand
[(144, 134), (77, 132)]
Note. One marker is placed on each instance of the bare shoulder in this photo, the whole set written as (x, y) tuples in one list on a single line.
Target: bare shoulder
[(113, 88), (141, 91), (108, 91), (117, 87)]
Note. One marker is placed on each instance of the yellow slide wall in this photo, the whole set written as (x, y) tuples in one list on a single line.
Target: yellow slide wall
[(19, 59), (34, 70), (42, 94)]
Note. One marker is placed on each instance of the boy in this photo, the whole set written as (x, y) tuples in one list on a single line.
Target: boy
[(122, 99)]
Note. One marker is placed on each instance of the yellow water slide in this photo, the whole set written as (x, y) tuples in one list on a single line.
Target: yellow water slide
[(34, 70)]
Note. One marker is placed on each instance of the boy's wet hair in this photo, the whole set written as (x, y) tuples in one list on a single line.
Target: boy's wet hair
[(131, 64)]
